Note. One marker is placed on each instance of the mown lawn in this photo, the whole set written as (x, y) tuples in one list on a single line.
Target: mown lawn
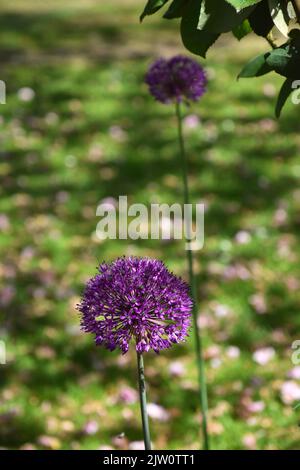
[(79, 127)]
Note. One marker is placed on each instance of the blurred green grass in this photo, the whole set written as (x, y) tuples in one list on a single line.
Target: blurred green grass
[(90, 131)]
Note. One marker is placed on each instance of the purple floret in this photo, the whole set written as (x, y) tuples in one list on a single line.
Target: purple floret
[(177, 79), (136, 299)]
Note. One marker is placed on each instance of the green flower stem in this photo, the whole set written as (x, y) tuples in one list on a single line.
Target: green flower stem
[(198, 342), (143, 401)]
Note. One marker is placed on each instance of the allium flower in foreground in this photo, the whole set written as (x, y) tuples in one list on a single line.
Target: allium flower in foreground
[(136, 299), (177, 79)]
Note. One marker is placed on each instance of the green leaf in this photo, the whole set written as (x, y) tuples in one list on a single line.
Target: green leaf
[(242, 30), (218, 16), (152, 7), (280, 15), (291, 11), (278, 59), (256, 67), (176, 9), (197, 42), (284, 93), (260, 19), (241, 4), (295, 35), (285, 60)]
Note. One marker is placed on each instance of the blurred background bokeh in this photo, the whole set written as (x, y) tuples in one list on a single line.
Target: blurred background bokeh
[(79, 128)]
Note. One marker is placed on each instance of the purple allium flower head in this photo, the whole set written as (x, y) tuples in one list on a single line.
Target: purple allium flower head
[(177, 79), (136, 299)]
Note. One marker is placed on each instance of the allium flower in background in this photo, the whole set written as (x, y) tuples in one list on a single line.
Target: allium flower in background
[(136, 299), (177, 79)]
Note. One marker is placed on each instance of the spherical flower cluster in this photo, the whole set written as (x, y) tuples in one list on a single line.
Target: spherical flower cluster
[(177, 79), (136, 299)]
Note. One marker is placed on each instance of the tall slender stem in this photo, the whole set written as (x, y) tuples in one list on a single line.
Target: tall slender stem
[(190, 260), (143, 401)]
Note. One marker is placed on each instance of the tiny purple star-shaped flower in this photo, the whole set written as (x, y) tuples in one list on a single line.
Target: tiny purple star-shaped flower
[(136, 300)]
